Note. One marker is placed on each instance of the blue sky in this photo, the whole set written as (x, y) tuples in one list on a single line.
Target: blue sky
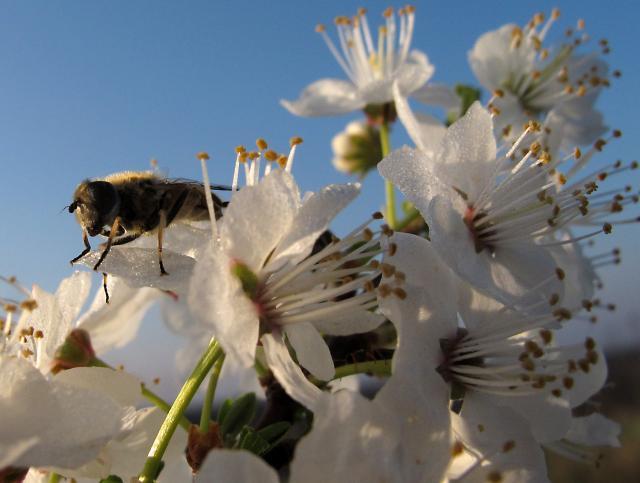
[(91, 88)]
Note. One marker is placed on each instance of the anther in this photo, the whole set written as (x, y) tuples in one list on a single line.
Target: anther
[(457, 449), (377, 215), (29, 305), (367, 234), (271, 155), (387, 270), (393, 248), (202, 156), (261, 144), (560, 273), (508, 446), (554, 299), (320, 28), (606, 228), (494, 477), (295, 140), (400, 293)]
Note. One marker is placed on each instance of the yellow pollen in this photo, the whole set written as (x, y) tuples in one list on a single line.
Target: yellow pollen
[(253, 155), (243, 157), (580, 24), (388, 12), (38, 334), (498, 93), (320, 28), (202, 156), (410, 8), (362, 11), (261, 144), (240, 149), (555, 13), (582, 90), (26, 353), (271, 155), (282, 160)]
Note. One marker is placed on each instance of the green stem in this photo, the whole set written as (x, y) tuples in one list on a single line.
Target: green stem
[(153, 463), (205, 416), (54, 478), (149, 395), (377, 368), (388, 187)]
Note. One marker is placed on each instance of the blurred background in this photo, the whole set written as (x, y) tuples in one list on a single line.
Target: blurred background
[(92, 88)]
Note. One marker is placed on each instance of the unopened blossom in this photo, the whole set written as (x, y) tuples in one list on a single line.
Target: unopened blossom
[(371, 65), (260, 280), (553, 83), (357, 149), (494, 212), (457, 343)]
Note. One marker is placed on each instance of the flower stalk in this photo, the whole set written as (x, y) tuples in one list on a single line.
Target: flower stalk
[(153, 464), (205, 416), (390, 214)]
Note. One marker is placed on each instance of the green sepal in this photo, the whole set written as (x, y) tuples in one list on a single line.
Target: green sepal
[(248, 279), (468, 95), (112, 479), (238, 416), (224, 410)]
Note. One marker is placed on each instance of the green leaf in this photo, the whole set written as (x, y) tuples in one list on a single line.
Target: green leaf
[(274, 432), (468, 95), (252, 441), (224, 409), (239, 415)]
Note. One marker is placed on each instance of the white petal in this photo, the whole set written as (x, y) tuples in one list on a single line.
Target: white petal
[(311, 350), (120, 386), (352, 440), (235, 466), (486, 428), (288, 373), (438, 95), (72, 294), (312, 219), (356, 322), (509, 275), (218, 301), (424, 130), (325, 97), (258, 217), (493, 60), (468, 154), (594, 430), (415, 72), (140, 268), (116, 324), (410, 170), (586, 384)]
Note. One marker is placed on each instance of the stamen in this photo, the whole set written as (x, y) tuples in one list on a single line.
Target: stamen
[(203, 157)]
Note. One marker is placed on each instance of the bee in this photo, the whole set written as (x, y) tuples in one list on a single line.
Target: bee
[(124, 206)]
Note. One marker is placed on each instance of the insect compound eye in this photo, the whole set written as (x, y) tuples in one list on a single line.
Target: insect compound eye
[(103, 195), (73, 206)]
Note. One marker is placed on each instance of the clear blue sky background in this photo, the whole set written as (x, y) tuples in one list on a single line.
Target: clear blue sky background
[(91, 88)]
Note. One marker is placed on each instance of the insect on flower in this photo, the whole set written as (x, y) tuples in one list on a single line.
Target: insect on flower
[(124, 206)]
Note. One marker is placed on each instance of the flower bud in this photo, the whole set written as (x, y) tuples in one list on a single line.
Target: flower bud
[(357, 149), (75, 351)]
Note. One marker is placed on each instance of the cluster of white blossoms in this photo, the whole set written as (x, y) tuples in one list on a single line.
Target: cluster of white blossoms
[(455, 308)]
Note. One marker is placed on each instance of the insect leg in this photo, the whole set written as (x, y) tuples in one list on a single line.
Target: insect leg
[(104, 285), (87, 247), (122, 240), (112, 234), (163, 221)]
